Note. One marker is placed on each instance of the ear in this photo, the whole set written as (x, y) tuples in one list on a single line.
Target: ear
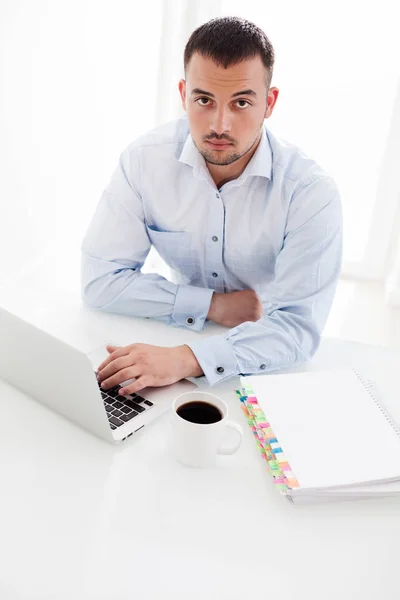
[(182, 91), (271, 101)]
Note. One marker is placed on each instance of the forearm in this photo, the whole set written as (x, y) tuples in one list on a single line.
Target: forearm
[(299, 297), (128, 291), (279, 341)]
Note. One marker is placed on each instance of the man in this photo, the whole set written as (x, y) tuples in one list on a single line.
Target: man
[(250, 224)]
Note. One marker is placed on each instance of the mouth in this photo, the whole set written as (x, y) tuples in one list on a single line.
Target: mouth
[(219, 145)]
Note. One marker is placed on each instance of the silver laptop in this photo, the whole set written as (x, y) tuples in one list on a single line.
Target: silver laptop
[(64, 379)]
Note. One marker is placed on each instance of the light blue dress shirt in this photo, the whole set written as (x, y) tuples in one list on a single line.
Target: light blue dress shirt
[(276, 229)]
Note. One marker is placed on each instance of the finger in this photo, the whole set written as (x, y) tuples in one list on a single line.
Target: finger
[(126, 371), (141, 382), (122, 375), (114, 366), (122, 351)]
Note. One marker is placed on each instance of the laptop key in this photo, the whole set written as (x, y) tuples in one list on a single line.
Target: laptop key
[(115, 421), (126, 418), (138, 399), (117, 404), (134, 405), (148, 403), (113, 392), (109, 408), (113, 426), (138, 407), (117, 413), (126, 409)]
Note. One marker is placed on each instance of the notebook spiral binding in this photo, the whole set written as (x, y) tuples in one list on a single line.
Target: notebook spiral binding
[(372, 390)]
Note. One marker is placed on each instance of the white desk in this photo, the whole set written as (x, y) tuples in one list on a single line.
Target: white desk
[(82, 519)]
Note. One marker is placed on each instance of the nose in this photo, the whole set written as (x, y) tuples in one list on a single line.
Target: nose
[(221, 122)]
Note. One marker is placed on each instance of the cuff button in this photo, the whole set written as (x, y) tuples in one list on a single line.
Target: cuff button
[(220, 369), (190, 320), (263, 367)]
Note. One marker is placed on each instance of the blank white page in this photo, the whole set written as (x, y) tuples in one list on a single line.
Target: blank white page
[(331, 431)]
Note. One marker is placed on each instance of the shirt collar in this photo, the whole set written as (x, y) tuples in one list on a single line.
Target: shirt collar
[(260, 164), (190, 155)]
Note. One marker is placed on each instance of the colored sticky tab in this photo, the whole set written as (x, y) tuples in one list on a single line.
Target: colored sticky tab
[(267, 442), (285, 466)]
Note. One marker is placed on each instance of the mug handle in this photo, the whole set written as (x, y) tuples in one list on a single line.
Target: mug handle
[(239, 430)]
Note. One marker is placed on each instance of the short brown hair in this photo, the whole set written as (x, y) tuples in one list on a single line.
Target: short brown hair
[(230, 40)]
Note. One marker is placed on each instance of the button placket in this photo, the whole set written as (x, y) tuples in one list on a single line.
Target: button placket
[(213, 255)]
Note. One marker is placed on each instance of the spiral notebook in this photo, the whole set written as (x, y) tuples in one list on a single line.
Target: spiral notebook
[(325, 435)]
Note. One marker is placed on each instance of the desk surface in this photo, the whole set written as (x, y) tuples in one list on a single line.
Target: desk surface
[(82, 519)]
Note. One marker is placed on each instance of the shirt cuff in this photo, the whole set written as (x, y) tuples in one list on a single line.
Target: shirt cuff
[(191, 306), (216, 357)]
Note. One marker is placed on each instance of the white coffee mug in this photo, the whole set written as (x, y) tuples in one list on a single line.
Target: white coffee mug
[(197, 444)]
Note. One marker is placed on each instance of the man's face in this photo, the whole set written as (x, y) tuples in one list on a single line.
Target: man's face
[(226, 108)]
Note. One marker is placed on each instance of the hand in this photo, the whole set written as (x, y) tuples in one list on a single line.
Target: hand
[(235, 307), (151, 365)]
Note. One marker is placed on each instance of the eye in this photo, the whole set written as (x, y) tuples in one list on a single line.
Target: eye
[(200, 101), (242, 102)]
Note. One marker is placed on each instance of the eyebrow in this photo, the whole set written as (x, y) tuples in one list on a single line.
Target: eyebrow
[(242, 93)]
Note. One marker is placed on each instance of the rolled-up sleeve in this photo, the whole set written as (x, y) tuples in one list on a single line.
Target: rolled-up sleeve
[(114, 249), (296, 302)]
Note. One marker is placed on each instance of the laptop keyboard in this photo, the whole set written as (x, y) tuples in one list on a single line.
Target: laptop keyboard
[(121, 409)]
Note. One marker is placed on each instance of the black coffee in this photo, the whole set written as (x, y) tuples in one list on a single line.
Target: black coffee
[(200, 412)]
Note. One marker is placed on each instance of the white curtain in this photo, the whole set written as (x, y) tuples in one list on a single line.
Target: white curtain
[(78, 83), (81, 79)]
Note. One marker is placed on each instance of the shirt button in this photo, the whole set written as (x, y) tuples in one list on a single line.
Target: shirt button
[(214, 238), (215, 274), (217, 195), (263, 367), (220, 369), (190, 320)]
